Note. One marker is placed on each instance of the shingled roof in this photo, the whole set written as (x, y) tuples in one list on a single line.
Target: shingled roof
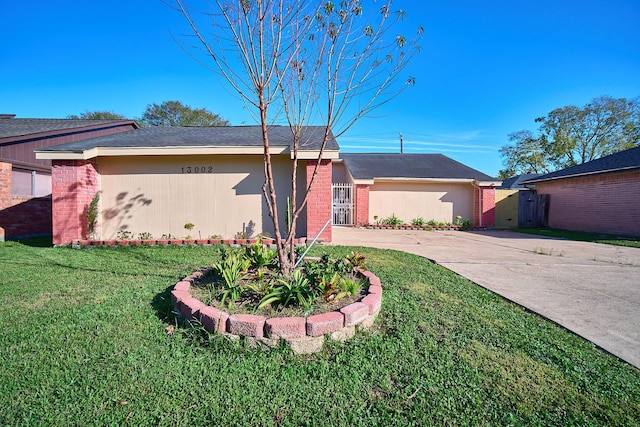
[(368, 166), (215, 136), (12, 127), (621, 161), (515, 182)]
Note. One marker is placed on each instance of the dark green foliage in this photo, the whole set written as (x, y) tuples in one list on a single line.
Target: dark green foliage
[(92, 214), (175, 113), (292, 290), (260, 255), (392, 220)]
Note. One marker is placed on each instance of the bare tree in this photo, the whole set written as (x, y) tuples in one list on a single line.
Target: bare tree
[(300, 63)]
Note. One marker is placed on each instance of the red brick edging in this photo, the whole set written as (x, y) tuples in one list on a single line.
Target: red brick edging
[(424, 227), (303, 335), (178, 242)]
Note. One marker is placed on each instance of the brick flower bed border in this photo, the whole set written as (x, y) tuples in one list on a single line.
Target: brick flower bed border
[(177, 242), (423, 227), (303, 335)]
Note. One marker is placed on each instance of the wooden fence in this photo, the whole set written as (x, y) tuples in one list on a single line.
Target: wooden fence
[(533, 209), (521, 208)]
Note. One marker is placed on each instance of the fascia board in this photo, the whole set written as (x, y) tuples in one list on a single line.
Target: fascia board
[(315, 155), (426, 180), (489, 183), (152, 151)]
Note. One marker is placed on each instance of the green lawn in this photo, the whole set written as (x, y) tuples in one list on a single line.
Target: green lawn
[(633, 242), (83, 342)]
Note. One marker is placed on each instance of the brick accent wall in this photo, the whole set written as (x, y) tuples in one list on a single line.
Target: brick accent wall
[(74, 184), (21, 216), (5, 194), (605, 203), (319, 204), (484, 207), (488, 206), (362, 204)]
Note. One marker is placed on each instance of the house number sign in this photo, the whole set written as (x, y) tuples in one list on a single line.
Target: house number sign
[(197, 169)]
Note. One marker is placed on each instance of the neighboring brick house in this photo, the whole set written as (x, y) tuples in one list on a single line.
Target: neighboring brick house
[(430, 186), (25, 182), (154, 181), (601, 196)]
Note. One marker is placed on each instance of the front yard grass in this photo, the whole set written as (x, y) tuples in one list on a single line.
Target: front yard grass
[(633, 242), (87, 338)]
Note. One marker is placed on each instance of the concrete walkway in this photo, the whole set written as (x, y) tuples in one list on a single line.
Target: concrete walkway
[(591, 289)]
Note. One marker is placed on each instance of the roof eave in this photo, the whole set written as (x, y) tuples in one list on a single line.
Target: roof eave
[(58, 132), (176, 151), (425, 180), (315, 154), (578, 175)]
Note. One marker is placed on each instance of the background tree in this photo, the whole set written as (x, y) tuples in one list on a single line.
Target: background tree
[(175, 113), (302, 63), (526, 155), (570, 136), (97, 115)]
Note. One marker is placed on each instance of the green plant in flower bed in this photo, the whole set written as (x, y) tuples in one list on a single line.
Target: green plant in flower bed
[(261, 256), (232, 269), (124, 235), (392, 220), (418, 221), (292, 290), (246, 280), (145, 236)]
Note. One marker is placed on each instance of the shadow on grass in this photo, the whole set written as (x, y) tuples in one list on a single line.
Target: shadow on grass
[(35, 242), (189, 331), (163, 308)]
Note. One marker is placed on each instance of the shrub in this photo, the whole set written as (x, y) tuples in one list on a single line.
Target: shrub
[(418, 221), (92, 215), (124, 235), (392, 220)]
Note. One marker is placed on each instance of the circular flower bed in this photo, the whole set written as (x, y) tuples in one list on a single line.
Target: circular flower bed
[(258, 317)]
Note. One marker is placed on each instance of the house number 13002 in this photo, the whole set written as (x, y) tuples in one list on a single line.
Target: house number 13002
[(197, 169)]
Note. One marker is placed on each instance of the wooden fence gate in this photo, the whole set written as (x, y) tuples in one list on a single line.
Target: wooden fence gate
[(506, 209), (533, 209)]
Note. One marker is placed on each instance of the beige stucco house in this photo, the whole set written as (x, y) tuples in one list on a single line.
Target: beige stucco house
[(156, 180), (430, 186)]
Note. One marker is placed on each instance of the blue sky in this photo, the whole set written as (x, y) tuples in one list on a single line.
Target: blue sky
[(487, 68)]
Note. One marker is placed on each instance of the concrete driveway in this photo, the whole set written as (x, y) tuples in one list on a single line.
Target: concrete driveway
[(591, 289)]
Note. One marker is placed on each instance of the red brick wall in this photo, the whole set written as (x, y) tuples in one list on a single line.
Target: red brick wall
[(606, 203), (5, 193), (74, 184), (484, 206), (362, 204), (488, 206), (319, 204)]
